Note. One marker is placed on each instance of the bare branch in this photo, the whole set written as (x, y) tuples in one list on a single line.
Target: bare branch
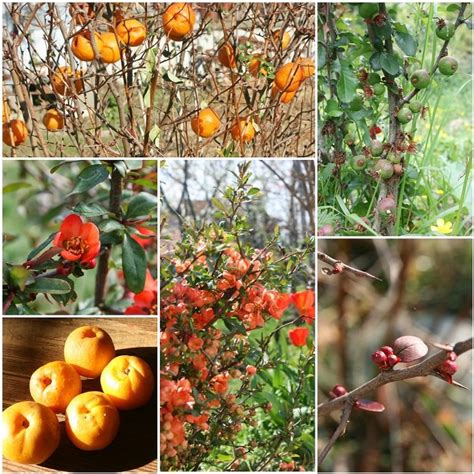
[(422, 369), (339, 267)]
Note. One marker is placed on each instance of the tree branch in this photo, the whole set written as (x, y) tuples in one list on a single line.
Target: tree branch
[(422, 369), (339, 267), (103, 266), (340, 430)]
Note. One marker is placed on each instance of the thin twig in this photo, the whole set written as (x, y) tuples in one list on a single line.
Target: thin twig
[(340, 430), (422, 369), (338, 267)]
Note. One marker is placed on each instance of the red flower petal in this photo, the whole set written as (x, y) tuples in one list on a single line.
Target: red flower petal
[(298, 336), (71, 227), (90, 233), (134, 310), (145, 299), (91, 253), (70, 256)]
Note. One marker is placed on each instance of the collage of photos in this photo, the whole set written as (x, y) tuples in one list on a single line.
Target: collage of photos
[(237, 237)]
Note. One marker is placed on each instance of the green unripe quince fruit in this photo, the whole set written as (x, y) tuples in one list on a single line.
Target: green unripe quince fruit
[(404, 115), (448, 65), (358, 162), (376, 148), (368, 10), (356, 104), (379, 89), (420, 79), (349, 139), (373, 78), (415, 106), (384, 169), (394, 158), (445, 30)]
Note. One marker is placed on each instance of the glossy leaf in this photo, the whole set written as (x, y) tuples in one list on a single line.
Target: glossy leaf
[(90, 210), (53, 286), (10, 188), (347, 83), (134, 264), (40, 247), (141, 205), (89, 178), (406, 42)]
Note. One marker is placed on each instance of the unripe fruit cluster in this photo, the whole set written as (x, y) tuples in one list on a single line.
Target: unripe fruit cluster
[(385, 358)]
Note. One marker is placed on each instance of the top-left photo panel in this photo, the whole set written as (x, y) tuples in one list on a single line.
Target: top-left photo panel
[(147, 79)]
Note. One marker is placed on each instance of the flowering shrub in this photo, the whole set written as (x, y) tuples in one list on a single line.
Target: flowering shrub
[(237, 374), (103, 230)]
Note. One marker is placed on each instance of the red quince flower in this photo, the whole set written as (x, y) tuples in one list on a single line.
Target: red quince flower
[(304, 302), (298, 336), (80, 242), (146, 302), (144, 241)]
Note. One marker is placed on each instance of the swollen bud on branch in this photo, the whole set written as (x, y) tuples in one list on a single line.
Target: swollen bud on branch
[(409, 348)]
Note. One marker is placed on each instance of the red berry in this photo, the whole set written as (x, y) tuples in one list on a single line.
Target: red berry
[(338, 391), (392, 360), (387, 349), (379, 357), (448, 367)]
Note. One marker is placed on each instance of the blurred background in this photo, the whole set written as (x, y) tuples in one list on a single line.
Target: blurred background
[(286, 198), (425, 291)]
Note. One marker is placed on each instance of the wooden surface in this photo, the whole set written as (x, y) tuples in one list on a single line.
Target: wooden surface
[(29, 343)]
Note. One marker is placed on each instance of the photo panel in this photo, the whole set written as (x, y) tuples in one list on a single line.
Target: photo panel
[(237, 382), (143, 79), (79, 394), (80, 237), (395, 119), (395, 360)]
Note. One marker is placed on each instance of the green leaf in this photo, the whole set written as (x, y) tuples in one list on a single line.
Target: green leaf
[(155, 133), (406, 42), (333, 109), (141, 205), (110, 225), (9, 188), (121, 167), (89, 178), (20, 276), (453, 7), (64, 162), (134, 264), (219, 205), (169, 76), (134, 164), (253, 191), (90, 210), (41, 247), (146, 183), (347, 83), (389, 63), (375, 61), (54, 286), (321, 55)]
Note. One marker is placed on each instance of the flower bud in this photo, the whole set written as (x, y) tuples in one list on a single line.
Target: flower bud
[(337, 391), (387, 349), (448, 367), (392, 360), (379, 357)]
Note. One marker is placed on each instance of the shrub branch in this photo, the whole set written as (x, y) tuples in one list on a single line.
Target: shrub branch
[(422, 369)]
